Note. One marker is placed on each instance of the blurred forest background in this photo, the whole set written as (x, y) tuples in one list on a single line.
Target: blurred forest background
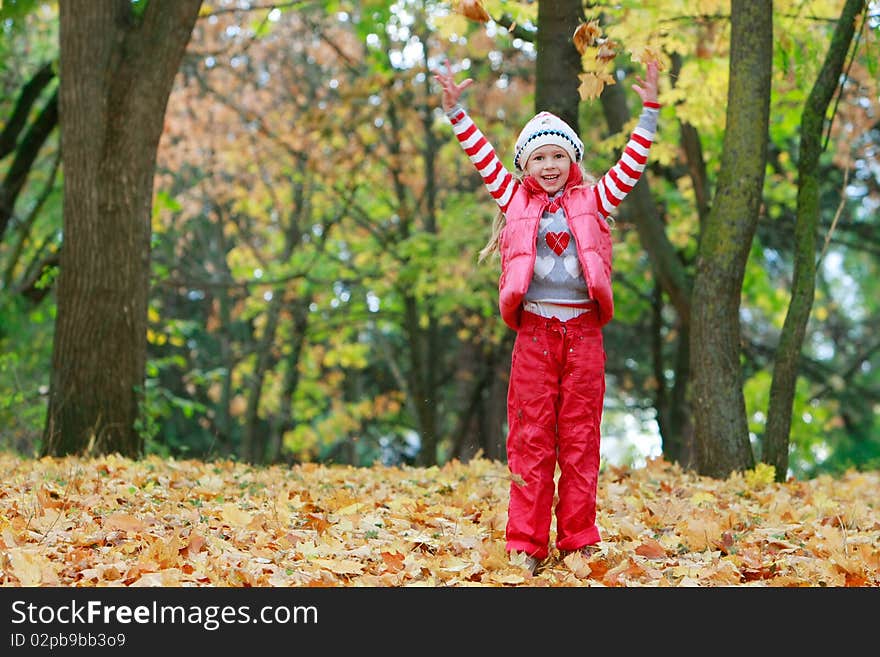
[(314, 291)]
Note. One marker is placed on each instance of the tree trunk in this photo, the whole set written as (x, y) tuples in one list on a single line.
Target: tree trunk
[(283, 421), (558, 63), (26, 150), (791, 339), (116, 74), (693, 153), (254, 438), (720, 424), (671, 275)]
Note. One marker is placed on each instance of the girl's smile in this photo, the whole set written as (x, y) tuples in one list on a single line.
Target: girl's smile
[(549, 165)]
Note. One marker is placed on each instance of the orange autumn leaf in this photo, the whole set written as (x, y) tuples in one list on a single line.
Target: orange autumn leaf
[(318, 522), (623, 573), (651, 549), (195, 544), (585, 36), (49, 499), (474, 10), (393, 561)]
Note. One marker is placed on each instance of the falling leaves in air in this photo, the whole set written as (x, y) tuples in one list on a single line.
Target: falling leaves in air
[(161, 523), (597, 51), (586, 35), (592, 84), (648, 54), (473, 9)]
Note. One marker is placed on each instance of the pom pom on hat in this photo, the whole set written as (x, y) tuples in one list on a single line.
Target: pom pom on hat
[(544, 129)]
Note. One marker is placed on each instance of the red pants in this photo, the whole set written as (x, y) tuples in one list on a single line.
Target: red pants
[(554, 410)]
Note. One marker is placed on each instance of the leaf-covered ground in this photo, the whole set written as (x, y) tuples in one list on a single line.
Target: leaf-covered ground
[(117, 522)]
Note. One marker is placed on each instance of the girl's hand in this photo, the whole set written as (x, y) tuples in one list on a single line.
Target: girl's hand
[(646, 87), (451, 89)]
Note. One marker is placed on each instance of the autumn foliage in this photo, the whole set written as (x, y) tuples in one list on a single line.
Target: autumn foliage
[(116, 522)]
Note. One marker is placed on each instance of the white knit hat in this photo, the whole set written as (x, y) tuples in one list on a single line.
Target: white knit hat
[(546, 128)]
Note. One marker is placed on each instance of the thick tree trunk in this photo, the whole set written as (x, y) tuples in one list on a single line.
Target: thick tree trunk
[(116, 74), (558, 64), (782, 388), (721, 427)]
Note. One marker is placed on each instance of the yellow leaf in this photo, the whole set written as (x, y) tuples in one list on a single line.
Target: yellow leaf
[(350, 509), (647, 54), (592, 84), (235, 516), (447, 27), (699, 497), (762, 475)]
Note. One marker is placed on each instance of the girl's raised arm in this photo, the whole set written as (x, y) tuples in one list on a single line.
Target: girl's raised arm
[(452, 90)]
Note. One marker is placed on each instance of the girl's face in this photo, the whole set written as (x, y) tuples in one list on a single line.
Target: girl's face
[(549, 165)]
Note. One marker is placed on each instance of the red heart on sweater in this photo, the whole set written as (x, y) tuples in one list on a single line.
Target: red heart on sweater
[(558, 241)]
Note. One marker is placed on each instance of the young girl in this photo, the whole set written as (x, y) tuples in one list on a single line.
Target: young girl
[(555, 292)]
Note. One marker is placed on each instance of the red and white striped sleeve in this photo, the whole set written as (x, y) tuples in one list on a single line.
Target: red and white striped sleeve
[(613, 187), (498, 180)]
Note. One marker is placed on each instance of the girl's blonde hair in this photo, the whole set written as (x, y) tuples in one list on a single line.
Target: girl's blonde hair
[(500, 219)]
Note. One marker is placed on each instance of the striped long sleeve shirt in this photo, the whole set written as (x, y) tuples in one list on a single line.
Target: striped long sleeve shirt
[(610, 189)]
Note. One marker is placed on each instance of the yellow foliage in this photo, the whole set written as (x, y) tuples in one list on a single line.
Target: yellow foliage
[(761, 475), (156, 338), (451, 25)]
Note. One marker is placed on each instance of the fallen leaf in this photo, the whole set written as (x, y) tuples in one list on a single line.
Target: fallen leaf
[(651, 549), (235, 516), (25, 566), (123, 522), (578, 564), (393, 561), (340, 566), (507, 578)]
